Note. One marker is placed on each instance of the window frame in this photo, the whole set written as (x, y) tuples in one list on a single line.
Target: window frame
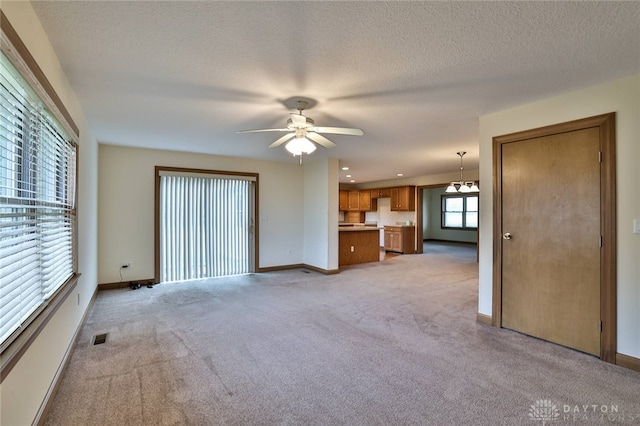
[(464, 227), (12, 349)]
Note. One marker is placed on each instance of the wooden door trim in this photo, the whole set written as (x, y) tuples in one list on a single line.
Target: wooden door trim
[(608, 277), (420, 224), (420, 212), (156, 225)]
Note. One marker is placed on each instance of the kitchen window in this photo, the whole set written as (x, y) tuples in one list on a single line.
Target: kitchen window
[(460, 212)]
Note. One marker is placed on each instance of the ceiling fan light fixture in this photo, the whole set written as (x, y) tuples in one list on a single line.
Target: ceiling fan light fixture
[(303, 130), (300, 145)]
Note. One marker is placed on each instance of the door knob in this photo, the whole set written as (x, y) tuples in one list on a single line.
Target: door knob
[(506, 236)]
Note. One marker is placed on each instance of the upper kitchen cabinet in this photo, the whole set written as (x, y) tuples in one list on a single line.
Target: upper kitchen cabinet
[(367, 203), (357, 201), (353, 203), (380, 193), (343, 200), (403, 198)]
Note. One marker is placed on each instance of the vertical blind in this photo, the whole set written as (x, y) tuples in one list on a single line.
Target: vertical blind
[(205, 227), (37, 202)]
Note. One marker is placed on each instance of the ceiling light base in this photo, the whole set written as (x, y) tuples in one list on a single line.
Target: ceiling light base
[(299, 102)]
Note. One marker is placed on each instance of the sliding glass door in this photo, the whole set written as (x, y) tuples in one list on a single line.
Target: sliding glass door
[(206, 224)]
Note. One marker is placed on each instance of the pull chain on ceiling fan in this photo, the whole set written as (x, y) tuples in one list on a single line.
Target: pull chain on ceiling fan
[(302, 132)]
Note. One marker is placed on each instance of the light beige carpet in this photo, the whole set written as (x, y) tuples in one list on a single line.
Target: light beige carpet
[(389, 343)]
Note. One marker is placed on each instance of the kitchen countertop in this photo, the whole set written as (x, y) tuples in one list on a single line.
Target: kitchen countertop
[(358, 228)]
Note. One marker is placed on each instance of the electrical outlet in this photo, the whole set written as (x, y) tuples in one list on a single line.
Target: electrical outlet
[(636, 226), (126, 265), (352, 249)]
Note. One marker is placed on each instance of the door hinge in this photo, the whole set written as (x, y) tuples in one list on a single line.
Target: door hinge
[(599, 156), (600, 326), (601, 241)]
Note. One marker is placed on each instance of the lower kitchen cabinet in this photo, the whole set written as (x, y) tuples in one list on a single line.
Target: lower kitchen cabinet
[(358, 244), (400, 239)]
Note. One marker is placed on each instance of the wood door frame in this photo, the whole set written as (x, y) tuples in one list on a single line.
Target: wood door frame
[(156, 225), (419, 214), (608, 278)]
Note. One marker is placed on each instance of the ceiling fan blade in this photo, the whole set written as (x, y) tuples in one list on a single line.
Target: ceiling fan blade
[(262, 130), (298, 119), (282, 140), (339, 131), (319, 139)]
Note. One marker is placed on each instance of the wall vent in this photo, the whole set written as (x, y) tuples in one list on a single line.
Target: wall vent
[(99, 339)]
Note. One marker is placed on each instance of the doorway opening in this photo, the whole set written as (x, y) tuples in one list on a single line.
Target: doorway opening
[(448, 218)]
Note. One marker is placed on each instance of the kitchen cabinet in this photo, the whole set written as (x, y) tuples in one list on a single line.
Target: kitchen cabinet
[(343, 200), (400, 239), (392, 239), (380, 193), (358, 244), (367, 204), (353, 203), (366, 200), (403, 198)]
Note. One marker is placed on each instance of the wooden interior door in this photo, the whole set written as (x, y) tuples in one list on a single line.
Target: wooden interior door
[(551, 238)]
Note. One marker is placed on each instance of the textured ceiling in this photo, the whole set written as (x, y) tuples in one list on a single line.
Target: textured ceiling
[(414, 76)]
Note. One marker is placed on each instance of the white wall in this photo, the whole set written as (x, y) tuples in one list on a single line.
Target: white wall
[(23, 391), (620, 96), (385, 216), (321, 213), (127, 197)]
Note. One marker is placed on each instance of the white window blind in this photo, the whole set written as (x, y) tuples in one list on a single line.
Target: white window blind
[(205, 226), (37, 202)]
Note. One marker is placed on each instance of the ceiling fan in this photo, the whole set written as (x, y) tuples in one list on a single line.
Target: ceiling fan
[(302, 131)]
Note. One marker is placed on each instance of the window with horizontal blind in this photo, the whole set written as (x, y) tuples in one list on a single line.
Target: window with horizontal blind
[(460, 211), (37, 203)]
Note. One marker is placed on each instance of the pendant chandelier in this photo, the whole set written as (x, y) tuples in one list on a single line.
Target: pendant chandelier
[(462, 186)]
